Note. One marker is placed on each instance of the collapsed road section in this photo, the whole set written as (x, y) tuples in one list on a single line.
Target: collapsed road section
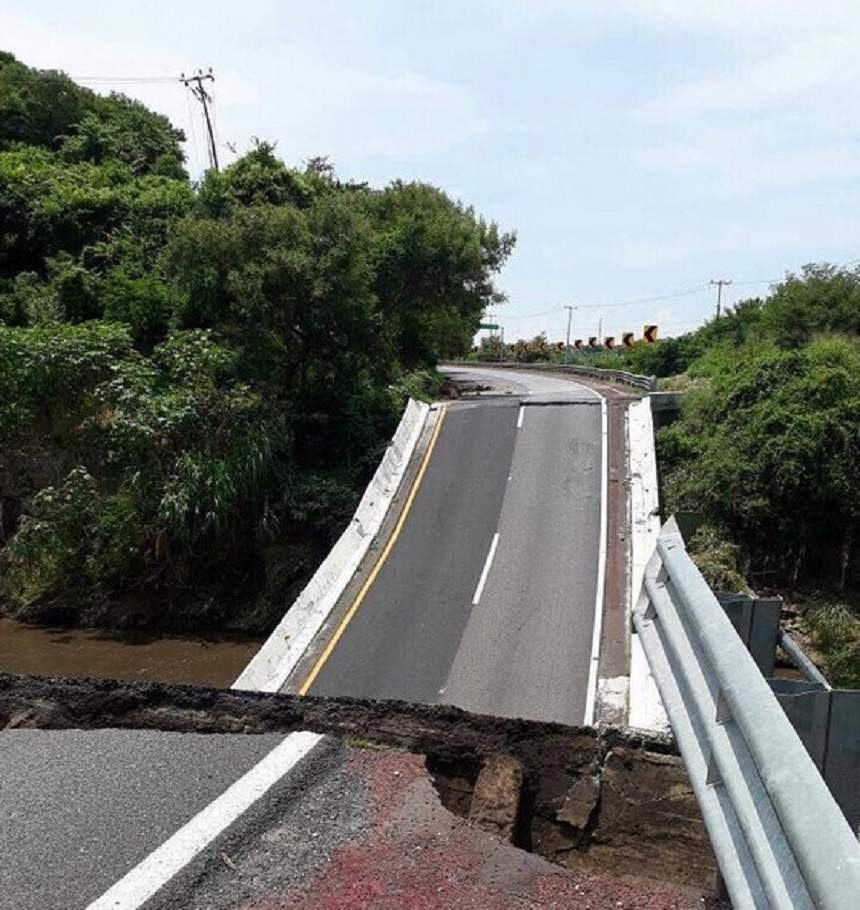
[(415, 797)]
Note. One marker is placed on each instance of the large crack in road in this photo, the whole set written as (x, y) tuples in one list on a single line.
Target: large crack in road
[(607, 799)]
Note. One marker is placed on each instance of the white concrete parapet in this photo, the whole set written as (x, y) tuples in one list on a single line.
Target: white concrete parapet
[(273, 663)]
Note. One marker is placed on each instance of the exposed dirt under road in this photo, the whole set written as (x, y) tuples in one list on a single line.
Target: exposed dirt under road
[(608, 800)]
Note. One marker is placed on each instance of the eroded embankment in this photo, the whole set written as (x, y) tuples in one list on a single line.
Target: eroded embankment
[(585, 798)]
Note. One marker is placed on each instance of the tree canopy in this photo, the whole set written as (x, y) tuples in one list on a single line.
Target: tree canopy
[(197, 379), (769, 450)]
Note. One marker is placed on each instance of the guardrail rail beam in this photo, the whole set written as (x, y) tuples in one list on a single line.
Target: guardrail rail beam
[(780, 839)]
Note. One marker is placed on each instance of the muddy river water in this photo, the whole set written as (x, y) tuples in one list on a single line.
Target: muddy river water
[(59, 651)]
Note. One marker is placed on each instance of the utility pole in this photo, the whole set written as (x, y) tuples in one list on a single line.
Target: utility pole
[(600, 330), (570, 310), (195, 84), (720, 283)]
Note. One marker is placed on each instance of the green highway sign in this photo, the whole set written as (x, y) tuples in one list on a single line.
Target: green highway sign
[(490, 325)]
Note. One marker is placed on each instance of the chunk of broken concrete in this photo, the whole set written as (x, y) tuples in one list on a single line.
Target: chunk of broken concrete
[(496, 800), (580, 802)]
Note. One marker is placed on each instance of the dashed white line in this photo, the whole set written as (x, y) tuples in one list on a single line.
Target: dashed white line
[(520, 417), (486, 571)]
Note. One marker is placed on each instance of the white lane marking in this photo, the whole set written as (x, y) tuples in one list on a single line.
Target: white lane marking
[(486, 571), (591, 690), (520, 417), (142, 882)]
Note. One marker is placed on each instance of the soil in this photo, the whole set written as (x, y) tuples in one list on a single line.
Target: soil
[(608, 799)]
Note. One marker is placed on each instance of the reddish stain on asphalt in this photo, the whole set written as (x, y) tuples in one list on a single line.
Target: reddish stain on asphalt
[(389, 775), (414, 855), (396, 875)]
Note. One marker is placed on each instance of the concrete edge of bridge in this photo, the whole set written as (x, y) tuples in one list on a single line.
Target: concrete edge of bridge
[(301, 671), (645, 708), (276, 660)]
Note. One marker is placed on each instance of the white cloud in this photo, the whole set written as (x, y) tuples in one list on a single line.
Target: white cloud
[(308, 102), (744, 20), (341, 108), (799, 72)]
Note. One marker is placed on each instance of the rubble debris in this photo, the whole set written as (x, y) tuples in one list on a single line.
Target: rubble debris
[(580, 803), (495, 801)]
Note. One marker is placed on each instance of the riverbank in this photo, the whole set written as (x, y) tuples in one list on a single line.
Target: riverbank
[(210, 660)]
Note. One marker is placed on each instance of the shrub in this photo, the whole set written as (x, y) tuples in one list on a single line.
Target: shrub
[(836, 634), (768, 449)]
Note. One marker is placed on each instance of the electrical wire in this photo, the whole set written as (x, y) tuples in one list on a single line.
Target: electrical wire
[(137, 80), (698, 289), (194, 148), (533, 315), (47, 74), (609, 306)]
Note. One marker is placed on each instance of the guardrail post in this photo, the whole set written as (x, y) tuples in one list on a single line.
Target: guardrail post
[(842, 759), (764, 632), (756, 620), (807, 706)]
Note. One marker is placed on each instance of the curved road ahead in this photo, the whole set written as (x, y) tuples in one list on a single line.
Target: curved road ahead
[(487, 598)]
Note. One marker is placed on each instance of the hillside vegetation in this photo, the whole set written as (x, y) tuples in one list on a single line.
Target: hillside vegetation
[(766, 450), (196, 380)]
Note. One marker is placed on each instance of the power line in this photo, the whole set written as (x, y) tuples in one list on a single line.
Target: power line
[(609, 306), (195, 152), (7, 76), (534, 315), (147, 80)]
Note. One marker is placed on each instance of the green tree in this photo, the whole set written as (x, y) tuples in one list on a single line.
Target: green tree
[(38, 107), (206, 376), (769, 449), (435, 262), (120, 129), (823, 298), (45, 108)]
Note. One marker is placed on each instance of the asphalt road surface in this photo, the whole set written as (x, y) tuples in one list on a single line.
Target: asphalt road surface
[(487, 598), (516, 472), (79, 809)]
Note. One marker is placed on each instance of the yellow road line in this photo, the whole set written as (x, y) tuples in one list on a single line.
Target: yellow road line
[(382, 557)]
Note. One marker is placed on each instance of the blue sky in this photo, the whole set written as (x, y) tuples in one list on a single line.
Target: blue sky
[(638, 147)]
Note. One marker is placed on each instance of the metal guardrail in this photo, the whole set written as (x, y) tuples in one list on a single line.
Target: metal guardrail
[(827, 720), (779, 837), (799, 659), (648, 383)]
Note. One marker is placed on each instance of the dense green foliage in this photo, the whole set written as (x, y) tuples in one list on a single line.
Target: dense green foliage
[(768, 441), (48, 110), (196, 381), (769, 448)]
